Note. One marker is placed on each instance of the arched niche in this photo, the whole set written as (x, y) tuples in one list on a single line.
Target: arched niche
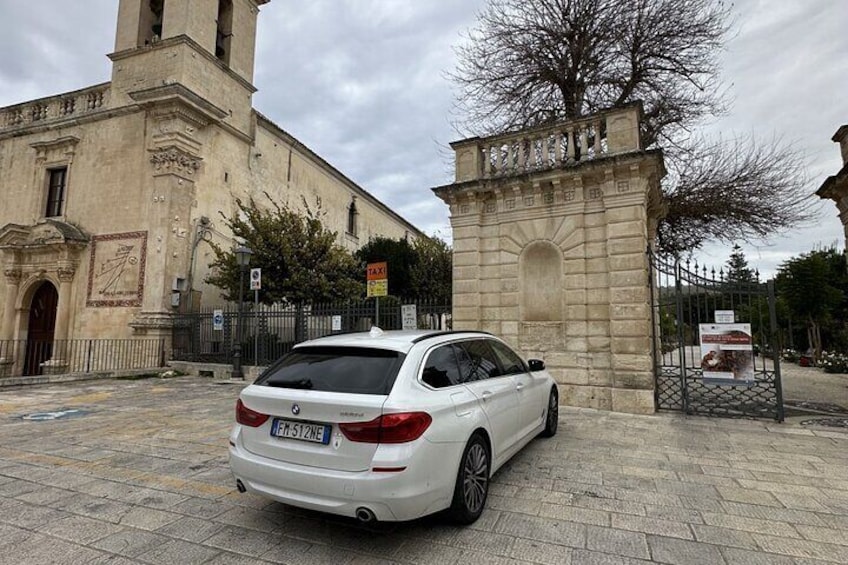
[(540, 282)]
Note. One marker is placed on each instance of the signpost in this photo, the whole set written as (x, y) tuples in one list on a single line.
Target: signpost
[(256, 286), (377, 279)]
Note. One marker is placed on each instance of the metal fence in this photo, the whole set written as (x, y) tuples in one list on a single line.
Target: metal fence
[(686, 296), (31, 357), (268, 332)]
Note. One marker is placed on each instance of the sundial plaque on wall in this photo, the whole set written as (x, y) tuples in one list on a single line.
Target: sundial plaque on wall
[(116, 272)]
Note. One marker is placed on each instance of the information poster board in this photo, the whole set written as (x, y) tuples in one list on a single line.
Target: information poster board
[(727, 354), (409, 317)]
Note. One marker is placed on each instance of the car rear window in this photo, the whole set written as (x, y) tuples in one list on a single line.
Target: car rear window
[(357, 370)]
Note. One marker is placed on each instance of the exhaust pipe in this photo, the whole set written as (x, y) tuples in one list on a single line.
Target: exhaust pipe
[(240, 486), (365, 516)]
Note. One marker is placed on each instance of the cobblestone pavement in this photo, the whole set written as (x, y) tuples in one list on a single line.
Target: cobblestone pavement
[(140, 475)]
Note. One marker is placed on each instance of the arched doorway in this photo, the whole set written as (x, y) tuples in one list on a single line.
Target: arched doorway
[(42, 324)]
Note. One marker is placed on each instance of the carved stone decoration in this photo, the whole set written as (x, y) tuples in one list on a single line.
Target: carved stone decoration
[(116, 271), (172, 160), (66, 274), (13, 276)]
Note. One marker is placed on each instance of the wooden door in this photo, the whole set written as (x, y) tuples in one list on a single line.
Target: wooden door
[(42, 324)]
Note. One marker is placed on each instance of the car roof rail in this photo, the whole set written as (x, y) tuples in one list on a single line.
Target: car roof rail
[(447, 332)]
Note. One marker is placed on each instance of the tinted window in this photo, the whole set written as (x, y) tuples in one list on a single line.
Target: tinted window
[(441, 369), (509, 361), (336, 369), (476, 361)]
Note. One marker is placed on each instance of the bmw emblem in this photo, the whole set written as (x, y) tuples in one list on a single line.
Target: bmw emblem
[(295, 409)]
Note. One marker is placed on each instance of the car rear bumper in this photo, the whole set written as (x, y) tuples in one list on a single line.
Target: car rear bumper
[(421, 488)]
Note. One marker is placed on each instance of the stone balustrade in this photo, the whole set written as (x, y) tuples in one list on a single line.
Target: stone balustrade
[(55, 108), (606, 133)]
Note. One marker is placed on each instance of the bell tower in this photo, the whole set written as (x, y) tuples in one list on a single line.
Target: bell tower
[(204, 46)]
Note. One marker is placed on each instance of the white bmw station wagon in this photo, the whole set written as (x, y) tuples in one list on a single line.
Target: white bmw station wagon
[(389, 425)]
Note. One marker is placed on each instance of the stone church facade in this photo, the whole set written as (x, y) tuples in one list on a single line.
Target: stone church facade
[(109, 192)]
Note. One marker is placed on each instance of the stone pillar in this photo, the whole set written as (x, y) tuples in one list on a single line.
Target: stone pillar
[(63, 310), (13, 281), (7, 346), (466, 265)]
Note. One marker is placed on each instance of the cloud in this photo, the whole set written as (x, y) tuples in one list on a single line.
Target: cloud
[(362, 83)]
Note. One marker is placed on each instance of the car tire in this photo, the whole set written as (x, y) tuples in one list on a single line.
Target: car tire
[(551, 415), (472, 482)]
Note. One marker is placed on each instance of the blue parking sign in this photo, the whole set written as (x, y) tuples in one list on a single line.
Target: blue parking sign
[(218, 320)]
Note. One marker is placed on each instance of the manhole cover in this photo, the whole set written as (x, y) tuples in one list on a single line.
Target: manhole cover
[(54, 415), (827, 422)]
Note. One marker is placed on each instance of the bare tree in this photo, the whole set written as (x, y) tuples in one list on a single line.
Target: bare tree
[(529, 62)]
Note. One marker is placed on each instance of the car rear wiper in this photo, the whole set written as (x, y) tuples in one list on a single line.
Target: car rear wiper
[(300, 383)]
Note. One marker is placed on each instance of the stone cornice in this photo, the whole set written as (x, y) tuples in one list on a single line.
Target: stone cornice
[(175, 100), (184, 40)]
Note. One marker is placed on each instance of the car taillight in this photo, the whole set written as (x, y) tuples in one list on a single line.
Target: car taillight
[(388, 428), (248, 417)]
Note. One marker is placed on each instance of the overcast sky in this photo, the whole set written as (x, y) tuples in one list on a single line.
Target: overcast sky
[(362, 83)]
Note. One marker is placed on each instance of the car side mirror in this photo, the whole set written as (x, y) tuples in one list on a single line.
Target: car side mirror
[(536, 365)]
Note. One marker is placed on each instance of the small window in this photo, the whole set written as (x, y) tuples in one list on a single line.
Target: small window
[(224, 30), (477, 362), (351, 218), (357, 370), (511, 363), (56, 192), (441, 369)]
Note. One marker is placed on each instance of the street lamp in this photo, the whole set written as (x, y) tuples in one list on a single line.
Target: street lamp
[(243, 260)]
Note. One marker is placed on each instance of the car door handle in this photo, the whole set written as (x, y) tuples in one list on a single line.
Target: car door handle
[(486, 394), (519, 386)]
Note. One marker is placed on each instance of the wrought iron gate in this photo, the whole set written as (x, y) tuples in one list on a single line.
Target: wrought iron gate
[(683, 297)]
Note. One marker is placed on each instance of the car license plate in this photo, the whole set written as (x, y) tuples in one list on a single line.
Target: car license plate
[(303, 431)]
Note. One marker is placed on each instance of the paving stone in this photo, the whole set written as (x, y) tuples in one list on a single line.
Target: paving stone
[(542, 529), (541, 552), (485, 542), (147, 518), (829, 535), (41, 549), (428, 553), (749, 496), (724, 536), (767, 513), (651, 526), (683, 552), (190, 529), (12, 536), (242, 540), (754, 525), (735, 556), (201, 507), (225, 558), (30, 516), (575, 514), (803, 548), (178, 551), (511, 504), (79, 529), (617, 542), (586, 557), (130, 543)]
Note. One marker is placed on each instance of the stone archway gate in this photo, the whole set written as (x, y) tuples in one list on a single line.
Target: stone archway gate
[(550, 228)]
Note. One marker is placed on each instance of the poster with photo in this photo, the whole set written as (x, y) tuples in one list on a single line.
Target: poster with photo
[(727, 354)]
